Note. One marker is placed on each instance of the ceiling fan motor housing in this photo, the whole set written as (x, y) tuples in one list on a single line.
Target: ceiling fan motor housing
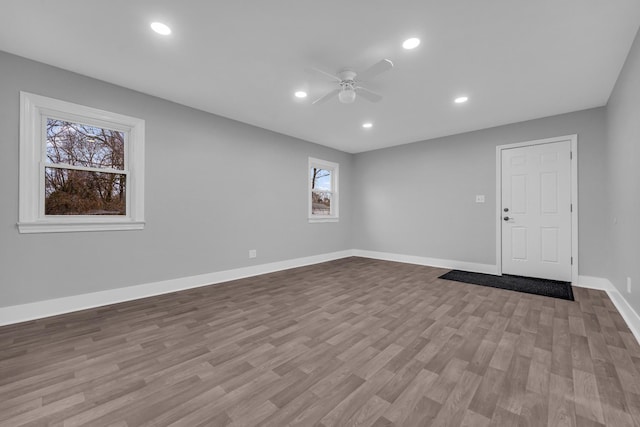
[(347, 75), (347, 86)]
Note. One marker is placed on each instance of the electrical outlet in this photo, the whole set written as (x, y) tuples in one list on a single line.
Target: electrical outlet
[(628, 285), (253, 253), (479, 198)]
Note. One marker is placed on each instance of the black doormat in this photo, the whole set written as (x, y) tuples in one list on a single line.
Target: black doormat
[(530, 285)]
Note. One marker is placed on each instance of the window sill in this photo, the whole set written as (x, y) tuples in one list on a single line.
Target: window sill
[(65, 227), (327, 219)]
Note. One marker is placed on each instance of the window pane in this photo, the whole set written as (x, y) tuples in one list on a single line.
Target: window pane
[(320, 179), (83, 145), (320, 202), (74, 192)]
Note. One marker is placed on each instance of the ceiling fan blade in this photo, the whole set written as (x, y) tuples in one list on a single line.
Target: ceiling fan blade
[(322, 73), (326, 97), (375, 69), (368, 94)]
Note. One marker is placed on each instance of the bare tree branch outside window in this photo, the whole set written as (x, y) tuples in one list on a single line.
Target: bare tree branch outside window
[(81, 171), (321, 191)]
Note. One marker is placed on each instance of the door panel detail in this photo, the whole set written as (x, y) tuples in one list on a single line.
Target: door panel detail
[(549, 192), (549, 244), (518, 194), (519, 243)]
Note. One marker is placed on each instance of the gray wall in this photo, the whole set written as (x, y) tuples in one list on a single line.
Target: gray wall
[(215, 188), (623, 154), (419, 199)]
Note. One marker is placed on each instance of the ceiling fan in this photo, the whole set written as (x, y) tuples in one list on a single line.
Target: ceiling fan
[(350, 83)]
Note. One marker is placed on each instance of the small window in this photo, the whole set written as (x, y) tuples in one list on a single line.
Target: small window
[(81, 169), (323, 189)]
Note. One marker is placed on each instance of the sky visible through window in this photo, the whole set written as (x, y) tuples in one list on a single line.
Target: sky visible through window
[(83, 145), (323, 179)]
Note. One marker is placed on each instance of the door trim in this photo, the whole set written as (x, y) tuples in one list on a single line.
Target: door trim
[(574, 197)]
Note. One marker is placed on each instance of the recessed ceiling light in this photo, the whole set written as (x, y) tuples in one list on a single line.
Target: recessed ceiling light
[(300, 94), (411, 43), (367, 125), (461, 99), (160, 28)]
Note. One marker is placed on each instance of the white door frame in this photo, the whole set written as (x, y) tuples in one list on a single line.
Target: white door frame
[(574, 197)]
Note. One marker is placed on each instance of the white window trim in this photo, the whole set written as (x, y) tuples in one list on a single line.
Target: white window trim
[(31, 219), (335, 203)]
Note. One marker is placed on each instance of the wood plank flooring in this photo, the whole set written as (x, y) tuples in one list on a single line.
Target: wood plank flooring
[(353, 342)]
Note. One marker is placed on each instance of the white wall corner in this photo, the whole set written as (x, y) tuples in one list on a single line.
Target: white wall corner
[(53, 307), (622, 305)]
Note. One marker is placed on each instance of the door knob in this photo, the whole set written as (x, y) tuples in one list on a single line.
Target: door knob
[(506, 218), (506, 209)]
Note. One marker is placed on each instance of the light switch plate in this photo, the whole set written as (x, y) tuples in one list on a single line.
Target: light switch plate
[(479, 198)]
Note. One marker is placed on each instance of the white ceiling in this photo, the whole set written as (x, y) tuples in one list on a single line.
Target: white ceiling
[(244, 59)]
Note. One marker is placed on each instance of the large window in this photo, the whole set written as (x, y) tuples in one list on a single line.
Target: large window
[(323, 190), (81, 169)]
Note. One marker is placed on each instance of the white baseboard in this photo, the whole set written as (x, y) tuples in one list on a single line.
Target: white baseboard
[(593, 282), (626, 311), (53, 307), (431, 262)]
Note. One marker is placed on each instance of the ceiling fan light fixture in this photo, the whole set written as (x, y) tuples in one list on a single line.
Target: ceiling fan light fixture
[(347, 96), (161, 28), (411, 43)]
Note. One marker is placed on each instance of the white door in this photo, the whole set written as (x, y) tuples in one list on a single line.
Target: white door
[(536, 211)]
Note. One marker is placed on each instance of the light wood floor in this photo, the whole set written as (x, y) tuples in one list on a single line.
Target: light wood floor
[(350, 342)]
